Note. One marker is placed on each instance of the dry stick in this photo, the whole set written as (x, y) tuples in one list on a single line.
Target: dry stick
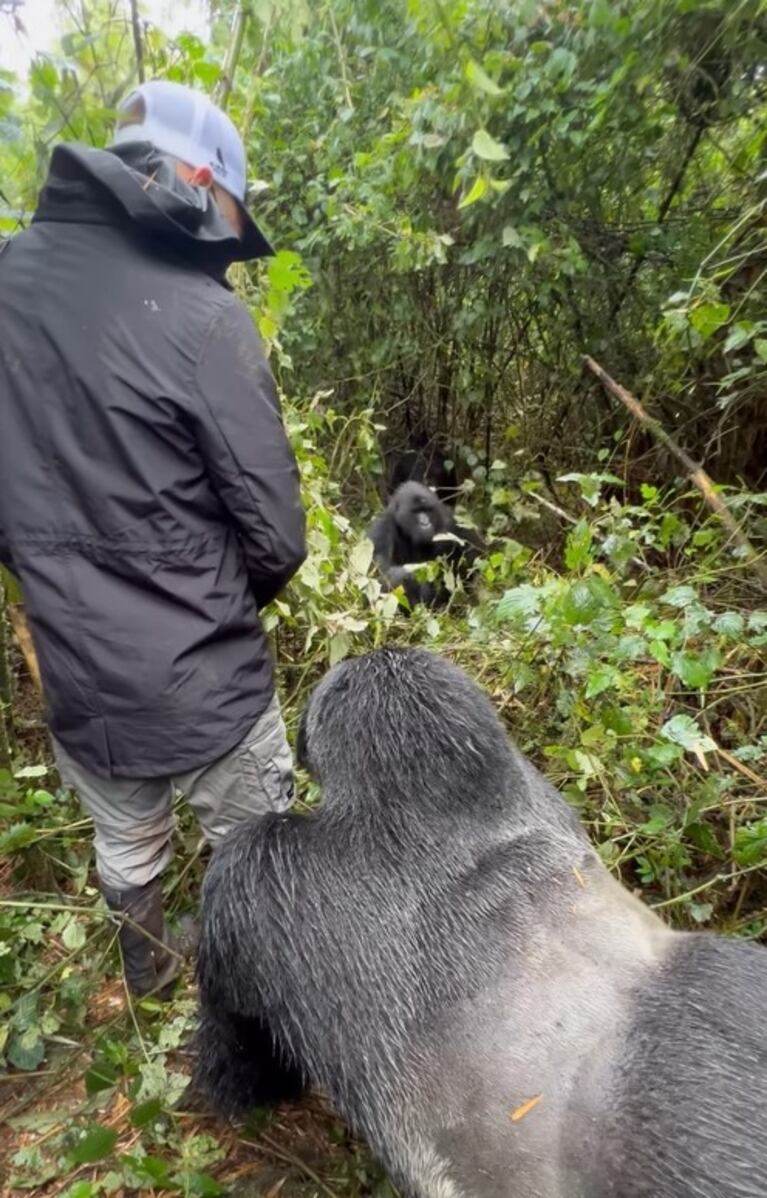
[(697, 474), (24, 637), (224, 87), (137, 43)]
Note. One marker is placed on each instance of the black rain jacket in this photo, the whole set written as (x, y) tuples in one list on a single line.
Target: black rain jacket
[(149, 498)]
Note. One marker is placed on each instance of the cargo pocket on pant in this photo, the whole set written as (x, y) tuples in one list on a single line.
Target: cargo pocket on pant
[(266, 763)]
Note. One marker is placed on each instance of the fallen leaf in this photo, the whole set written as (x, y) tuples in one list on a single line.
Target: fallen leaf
[(525, 1109)]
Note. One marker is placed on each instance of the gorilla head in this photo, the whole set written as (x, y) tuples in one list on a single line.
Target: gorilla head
[(444, 744), (418, 513), (417, 527), (440, 949)]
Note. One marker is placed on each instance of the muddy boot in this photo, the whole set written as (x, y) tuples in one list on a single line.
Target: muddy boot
[(152, 959)]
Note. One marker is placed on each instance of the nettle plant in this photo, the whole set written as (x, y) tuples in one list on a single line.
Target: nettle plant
[(640, 678)]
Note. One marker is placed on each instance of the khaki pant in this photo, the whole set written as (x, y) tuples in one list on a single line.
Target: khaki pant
[(133, 817)]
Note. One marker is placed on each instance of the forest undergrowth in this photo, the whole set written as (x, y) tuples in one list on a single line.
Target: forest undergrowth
[(467, 197), (626, 655)]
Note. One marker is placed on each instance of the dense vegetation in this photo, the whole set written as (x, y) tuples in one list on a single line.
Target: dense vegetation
[(467, 196)]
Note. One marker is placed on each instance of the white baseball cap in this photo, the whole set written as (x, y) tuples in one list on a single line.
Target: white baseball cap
[(185, 124)]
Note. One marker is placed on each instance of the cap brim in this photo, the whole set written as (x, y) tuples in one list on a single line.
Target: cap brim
[(253, 242)]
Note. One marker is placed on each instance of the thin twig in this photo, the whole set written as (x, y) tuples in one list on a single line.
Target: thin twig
[(265, 1145), (696, 473)]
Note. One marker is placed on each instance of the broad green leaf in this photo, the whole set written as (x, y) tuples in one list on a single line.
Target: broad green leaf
[(510, 237), (601, 680), (339, 646), (730, 624), (102, 1075), (361, 556), (760, 345), (707, 318), (485, 146), (26, 1050), (681, 596), (579, 604), (751, 843), (80, 1189), (476, 192), (578, 547), (682, 730), (696, 669), (524, 600), (147, 1112), (93, 1146), (739, 335), (660, 651), (73, 936), (481, 80), (207, 72)]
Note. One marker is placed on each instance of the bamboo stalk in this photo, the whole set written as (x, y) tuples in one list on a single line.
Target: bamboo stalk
[(138, 46), (695, 472), (224, 86)]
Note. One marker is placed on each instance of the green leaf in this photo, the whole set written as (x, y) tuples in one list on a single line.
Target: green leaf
[(520, 601), (26, 1050), (476, 192), (480, 79), (760, 345), (660, 651), (207, 72), (94, 1145), (682, 730), (339, 646), (102, 1075), (80, 1189), (730, 624), (601, 680), (361, 556), (485, 146), (73, 936), (739, 335), (147, 1112), (751, 843), (149, 1170), (510, 237), (201, 1185), (696, 669), (682, 596), (579, 604), (707, 318), (578, 547)]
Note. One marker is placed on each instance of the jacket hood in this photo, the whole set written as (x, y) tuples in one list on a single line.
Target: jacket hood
[(138, 183)]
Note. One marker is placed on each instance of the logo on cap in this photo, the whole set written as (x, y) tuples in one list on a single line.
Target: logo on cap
[(220, 164)]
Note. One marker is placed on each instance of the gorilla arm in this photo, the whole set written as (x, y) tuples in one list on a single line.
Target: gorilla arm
[(383, 534), (241, 1061)]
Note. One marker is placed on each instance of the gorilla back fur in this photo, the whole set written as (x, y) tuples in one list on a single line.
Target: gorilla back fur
[(440, 949)]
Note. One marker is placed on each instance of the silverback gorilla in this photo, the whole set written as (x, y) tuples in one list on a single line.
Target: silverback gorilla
[(417, 527), (440, 949)]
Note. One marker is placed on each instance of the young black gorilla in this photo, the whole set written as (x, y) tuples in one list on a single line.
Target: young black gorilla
[(440, 949), (417, 527)]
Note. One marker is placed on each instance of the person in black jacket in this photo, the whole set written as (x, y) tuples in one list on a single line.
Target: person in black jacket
[(149, 497)]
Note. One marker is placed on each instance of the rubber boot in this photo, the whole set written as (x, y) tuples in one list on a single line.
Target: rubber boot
[(152, 958)]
